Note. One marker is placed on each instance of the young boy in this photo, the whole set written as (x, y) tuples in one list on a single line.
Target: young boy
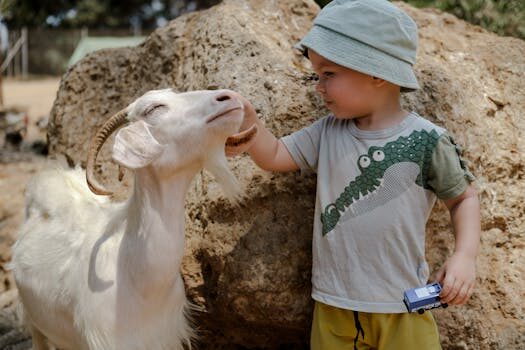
[(379, 170)]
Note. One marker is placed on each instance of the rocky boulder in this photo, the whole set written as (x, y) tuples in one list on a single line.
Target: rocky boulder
[(247, 267)]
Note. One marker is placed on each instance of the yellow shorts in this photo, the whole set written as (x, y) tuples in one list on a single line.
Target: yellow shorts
[(337, 329)]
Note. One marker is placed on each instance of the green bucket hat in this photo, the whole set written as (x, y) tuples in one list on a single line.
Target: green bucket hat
[(370, 36)]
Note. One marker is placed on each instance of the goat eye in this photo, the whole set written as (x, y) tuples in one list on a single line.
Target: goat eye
[(149, 110)]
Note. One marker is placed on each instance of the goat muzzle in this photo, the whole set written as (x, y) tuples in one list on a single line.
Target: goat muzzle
[(97, 142)]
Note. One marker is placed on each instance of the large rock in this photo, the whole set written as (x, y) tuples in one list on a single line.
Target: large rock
[(247, 267)]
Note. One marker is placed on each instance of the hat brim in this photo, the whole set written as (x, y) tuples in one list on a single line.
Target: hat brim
[(358, 56)]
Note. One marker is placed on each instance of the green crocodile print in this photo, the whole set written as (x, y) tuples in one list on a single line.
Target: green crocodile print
[(417, 147)]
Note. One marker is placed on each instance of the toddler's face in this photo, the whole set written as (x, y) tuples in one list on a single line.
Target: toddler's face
[(346, 92)]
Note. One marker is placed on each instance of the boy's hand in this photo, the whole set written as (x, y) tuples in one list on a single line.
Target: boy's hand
[(458, 274), (242, 141), (264, 148), (457, 277)]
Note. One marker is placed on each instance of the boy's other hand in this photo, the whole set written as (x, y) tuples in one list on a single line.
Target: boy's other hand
[(457, 277), (242, 141)]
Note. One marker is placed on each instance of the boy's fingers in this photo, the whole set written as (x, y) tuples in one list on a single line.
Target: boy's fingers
[(462, 296), (452, 297), (439, 275), (230, 153), (453, 293), (469, 292), (233, 151), (448, 291), (240, 142)]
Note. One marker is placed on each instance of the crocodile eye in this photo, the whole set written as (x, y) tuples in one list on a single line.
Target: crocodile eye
[(378, 155), (364, 161)]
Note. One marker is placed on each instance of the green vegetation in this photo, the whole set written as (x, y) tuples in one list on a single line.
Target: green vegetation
[(96, 13), (505, 17)]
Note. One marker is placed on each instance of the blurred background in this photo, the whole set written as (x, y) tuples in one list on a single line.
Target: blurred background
[(40, 39), (47, 32)]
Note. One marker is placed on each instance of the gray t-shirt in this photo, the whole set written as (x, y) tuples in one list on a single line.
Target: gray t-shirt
[(375, 191)]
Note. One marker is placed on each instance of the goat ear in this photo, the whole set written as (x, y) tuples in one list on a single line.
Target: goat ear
[(135, 147)]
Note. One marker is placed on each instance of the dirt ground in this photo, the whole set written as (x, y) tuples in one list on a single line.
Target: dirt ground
[(16, 167), (36, 95)]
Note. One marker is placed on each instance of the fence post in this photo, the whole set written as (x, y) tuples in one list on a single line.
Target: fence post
[(9, 67), (16, 66), (1, 85), (24, 52)]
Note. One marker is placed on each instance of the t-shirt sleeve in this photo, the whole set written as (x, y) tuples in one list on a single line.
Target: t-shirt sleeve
[(448, 175), (304, 144)]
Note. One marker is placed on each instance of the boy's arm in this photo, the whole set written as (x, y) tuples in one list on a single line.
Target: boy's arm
[(269, 153), (458, 274), (265, 149)]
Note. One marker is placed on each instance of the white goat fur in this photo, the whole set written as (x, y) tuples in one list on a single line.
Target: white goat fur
[(94, 274)]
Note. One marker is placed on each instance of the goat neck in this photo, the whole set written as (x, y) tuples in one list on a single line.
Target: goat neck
[(154, 250)]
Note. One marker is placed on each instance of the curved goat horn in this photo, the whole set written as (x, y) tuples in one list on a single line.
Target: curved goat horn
[(97, 142)]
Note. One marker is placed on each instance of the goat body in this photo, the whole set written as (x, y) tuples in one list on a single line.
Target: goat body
[(98, 275), (55, 254)]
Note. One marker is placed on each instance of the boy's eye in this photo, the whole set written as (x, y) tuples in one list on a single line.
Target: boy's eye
[(328, 74)]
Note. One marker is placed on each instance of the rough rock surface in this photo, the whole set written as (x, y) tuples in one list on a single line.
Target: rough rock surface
[(247, 267)]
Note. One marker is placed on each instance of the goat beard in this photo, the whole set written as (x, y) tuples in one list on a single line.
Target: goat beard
[(217, 164)]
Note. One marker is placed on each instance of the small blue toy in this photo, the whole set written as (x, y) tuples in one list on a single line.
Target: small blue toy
[(423, 298)]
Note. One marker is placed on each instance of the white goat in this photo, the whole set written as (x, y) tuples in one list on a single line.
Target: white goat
[(94, 274)]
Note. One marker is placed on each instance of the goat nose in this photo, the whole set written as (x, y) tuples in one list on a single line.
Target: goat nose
[(224, 96)]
